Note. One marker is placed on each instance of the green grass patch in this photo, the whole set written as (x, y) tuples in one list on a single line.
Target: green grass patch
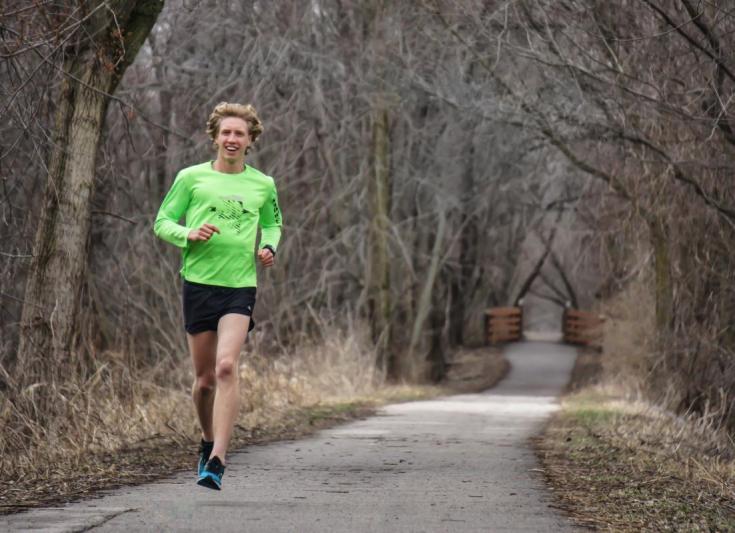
[(334, 412), (591, 416)]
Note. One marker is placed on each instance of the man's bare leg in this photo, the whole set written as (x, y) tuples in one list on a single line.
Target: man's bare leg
[(203, 349), (231, 333)]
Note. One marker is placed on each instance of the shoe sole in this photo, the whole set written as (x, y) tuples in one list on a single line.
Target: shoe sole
[(209, 482)]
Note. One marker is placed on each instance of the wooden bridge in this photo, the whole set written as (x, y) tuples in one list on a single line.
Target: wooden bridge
[(580, 328)]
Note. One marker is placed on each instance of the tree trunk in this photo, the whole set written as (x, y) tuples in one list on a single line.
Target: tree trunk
[(435, 358), (91, 72), (424, 307), (378, 276), (160, 177), (460, 293), (664, 287)]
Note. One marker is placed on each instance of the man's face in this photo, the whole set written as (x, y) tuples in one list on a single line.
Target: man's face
[(233, 139)]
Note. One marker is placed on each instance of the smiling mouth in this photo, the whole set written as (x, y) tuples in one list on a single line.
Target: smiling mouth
[(231, 149)]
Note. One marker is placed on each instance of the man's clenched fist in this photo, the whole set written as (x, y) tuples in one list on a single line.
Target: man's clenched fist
[(204, 233), (266, 257)]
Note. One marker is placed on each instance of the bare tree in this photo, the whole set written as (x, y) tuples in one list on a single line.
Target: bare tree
[(638, 99), (377, 138), (100, 40)]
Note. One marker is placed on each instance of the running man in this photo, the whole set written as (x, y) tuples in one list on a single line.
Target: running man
[(223, 202)]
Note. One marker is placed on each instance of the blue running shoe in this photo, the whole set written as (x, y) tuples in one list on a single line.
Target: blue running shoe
[(205, 450), (211, 476)]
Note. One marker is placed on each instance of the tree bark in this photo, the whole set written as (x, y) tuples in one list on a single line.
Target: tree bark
[(460, 288), (379, 195), (160, 175), (424, 306), (91, 72)]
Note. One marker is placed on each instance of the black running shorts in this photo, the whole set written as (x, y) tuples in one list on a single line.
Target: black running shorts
[(204, 305)]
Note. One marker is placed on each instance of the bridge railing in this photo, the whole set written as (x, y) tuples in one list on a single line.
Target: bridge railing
[(503, 324), (583, 328)]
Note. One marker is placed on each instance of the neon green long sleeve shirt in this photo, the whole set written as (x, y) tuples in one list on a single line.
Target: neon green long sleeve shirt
[(237, 204)]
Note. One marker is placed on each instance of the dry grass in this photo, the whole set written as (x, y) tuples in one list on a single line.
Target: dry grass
[(620, 464), (121, 427), (618, 460), (627, 346)]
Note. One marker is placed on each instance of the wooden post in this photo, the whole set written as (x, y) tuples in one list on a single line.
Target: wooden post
[(503, 324), (582, 328)]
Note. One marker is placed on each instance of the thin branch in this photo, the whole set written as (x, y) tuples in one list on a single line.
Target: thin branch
[(114, 215), (565, 279), (690, 39), (549, 297), (18, 256), (679, 175)]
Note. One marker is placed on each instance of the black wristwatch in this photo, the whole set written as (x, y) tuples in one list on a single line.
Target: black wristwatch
[(269, 247)]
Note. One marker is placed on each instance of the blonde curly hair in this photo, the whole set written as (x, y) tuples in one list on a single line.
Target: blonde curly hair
[(227, 109)]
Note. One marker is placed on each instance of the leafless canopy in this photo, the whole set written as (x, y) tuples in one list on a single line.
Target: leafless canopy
[(423, 152)]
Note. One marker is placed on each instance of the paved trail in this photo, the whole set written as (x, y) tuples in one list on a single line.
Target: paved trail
[(461, 463)]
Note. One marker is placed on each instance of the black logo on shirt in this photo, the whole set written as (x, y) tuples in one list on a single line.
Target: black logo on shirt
[(276, 212), (231, 213)]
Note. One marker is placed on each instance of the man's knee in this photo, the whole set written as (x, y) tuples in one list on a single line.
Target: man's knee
[(205, 382), (225, 369)]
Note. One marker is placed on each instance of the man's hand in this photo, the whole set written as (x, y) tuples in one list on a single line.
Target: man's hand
[(204, 233), (266, 257)]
